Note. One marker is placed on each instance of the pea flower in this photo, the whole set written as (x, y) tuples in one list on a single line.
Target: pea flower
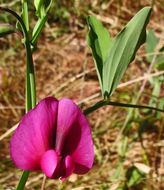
[(55, 138)]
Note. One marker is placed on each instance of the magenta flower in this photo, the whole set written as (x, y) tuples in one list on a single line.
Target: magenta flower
[(54, 137)]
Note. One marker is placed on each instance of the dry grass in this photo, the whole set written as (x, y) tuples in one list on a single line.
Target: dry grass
[(64, 67)]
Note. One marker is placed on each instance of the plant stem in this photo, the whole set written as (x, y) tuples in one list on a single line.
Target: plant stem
[(23, 180), (107, 102), (30, 80), (25, 14), (30, 76), (38, 29)]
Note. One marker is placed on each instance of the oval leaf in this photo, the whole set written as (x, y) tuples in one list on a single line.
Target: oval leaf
[(99, 42), (123, 50)]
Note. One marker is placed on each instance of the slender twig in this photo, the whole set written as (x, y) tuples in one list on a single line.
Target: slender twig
[(71, 80), (8, 132), (11, 107), (145, 77), (43, 183), (34, 180), (154, 53), (145, 81)]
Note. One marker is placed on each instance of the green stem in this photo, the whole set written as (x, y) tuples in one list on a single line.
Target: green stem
[(30, 81), (30, 76), (38, 29), (107, 102), (25, 14), (23, 180)]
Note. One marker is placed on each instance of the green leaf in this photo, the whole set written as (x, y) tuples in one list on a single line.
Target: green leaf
[(6, 29), (47, 4), (134, 176), (42, 7), (122, 188), (99, 42), (38, 29), (151, 43), (160, 60), (38, 4), (123, 50)]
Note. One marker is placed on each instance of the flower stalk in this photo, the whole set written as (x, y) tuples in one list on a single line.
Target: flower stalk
[(30, 79), (118, 104)]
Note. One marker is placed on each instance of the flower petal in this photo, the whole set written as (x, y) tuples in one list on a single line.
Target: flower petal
[(34, 135), (83, 153), (74, 136), (67, 114), (68, 166), (49, 163)]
